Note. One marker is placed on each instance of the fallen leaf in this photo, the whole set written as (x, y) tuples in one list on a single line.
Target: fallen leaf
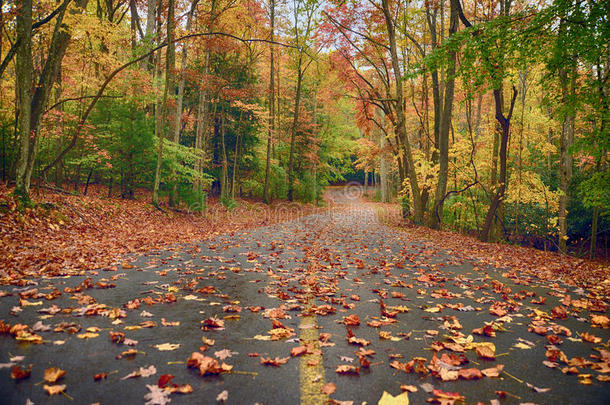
[(18, 373), (53, 374), (494, 371), (167, 346), (590, 338), (276, 362), (223, 396), (388, 399), (329, 388), (156, 395), (54, 389)]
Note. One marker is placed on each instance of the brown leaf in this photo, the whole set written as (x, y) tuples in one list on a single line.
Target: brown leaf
[(278, 361), (486, 352), (590, 338), (329, 388), (18, 373), (347, 369), (53, 374), (493, 371), (351, 320), (298, 351)]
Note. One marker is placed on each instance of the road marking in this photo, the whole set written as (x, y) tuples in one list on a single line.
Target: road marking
[(311, 377)]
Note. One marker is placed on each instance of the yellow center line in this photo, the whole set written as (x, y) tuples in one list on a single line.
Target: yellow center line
[(311, 366)]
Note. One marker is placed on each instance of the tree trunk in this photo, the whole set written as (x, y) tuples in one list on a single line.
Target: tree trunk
[(565, 166), (24, 95), (445, 124), (293, 132), (504, 122), (151, 12), (271, 121), (383, 170), (38, 99), (225, 165), (169, 84), (594, 223), (400, 113)]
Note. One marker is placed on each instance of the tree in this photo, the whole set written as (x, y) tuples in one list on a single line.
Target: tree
[(271, 122), (163, 115)]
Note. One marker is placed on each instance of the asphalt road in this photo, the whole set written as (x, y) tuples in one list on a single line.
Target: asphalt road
[(343, 258)]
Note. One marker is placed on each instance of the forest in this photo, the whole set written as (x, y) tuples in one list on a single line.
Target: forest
[(487, 117)]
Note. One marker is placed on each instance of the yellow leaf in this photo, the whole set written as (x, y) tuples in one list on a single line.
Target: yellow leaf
[(262, 337), (167, 346), (522, 346), (87, 335), (26, 303), (388, 399), (54, 389)]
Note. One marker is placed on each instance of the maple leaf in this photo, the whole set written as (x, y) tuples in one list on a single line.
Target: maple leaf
[(351, 320), (486, 352), (18, 373), (559, 312), (213, 323), (117, 337), (223, 354), (87, 335), (470, 373), (167, 346), (100, 376), (298, 351), (590, 338), (276, 362), (347, 369), (389, 399), (486, 330), (54, 389), (223, 396), (329, 388), (406, 367), (493, 371), (53, 374), (156, 395), (168, 323), (207, 365)]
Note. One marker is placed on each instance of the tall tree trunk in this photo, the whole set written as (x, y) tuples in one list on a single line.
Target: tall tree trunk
[(504, 122), (39, 98), (293, 131), (594, 222), (383, 169), (400, 115), (151, 12), (169, 85), (445, 124), (177, 119), (568, 83), (181, 84), (203, 108), (271, 122), (225, 164), (24, 95)]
